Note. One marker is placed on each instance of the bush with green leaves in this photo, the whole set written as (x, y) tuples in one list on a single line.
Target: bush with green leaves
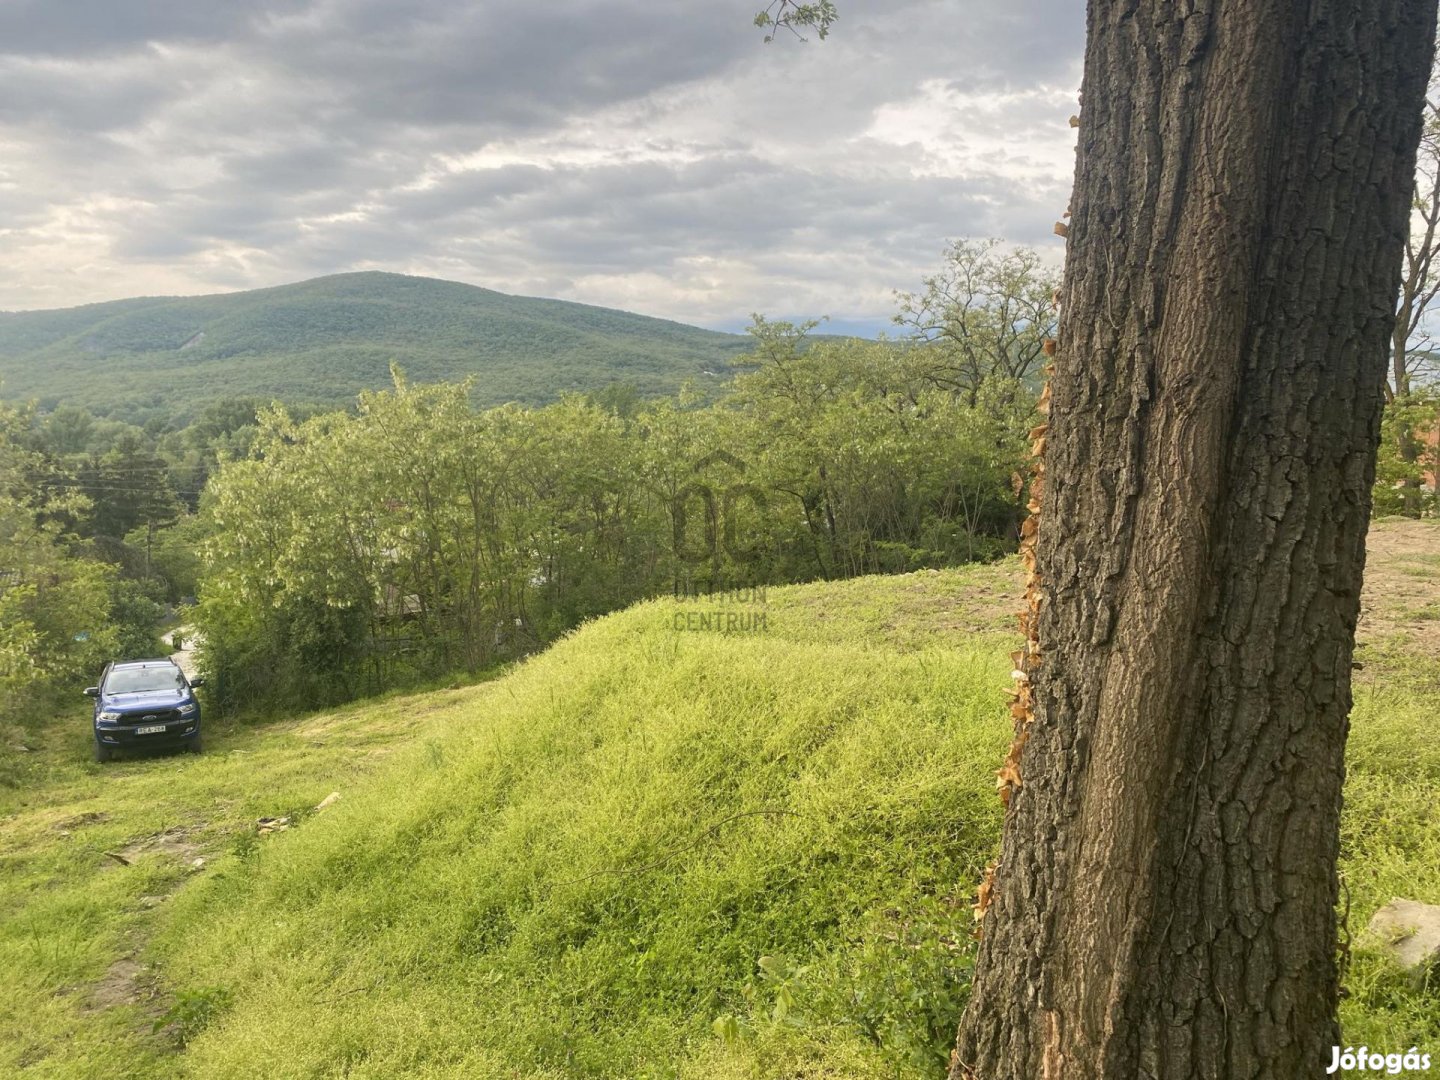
[(351, 553), (1408, 455), (57, 606)]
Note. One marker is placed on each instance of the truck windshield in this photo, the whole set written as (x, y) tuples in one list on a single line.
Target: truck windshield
[(139, 680)]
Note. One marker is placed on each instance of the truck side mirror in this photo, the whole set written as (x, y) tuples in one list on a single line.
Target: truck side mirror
[(92, 691), (197, 682)]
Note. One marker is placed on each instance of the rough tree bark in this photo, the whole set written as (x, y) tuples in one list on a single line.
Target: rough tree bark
[(1164, 904)]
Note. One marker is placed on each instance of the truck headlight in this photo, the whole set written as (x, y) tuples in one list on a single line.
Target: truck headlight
[(109, 715), (188, 709)]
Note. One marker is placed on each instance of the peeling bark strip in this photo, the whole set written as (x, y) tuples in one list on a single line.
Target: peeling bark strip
[(1164, 903), (1008, 778)]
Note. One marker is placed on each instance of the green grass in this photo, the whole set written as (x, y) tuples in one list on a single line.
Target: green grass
[(1423, 613), (573, 870), (1390, 842), (576, 869)]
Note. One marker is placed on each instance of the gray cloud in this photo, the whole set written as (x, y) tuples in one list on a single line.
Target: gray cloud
[(79, 28), (503, 64), (594, 150)]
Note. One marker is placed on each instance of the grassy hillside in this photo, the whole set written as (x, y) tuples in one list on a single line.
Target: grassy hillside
[(323, 341), (644, 853)]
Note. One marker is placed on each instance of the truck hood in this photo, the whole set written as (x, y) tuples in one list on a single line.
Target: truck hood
[(144, 700)]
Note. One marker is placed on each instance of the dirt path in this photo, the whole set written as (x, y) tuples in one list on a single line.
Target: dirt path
[(189, 639)]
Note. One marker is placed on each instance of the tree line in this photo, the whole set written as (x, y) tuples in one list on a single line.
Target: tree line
[(418, 536)]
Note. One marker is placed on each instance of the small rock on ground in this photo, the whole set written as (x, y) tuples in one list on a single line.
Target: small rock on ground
[(1409, 931)]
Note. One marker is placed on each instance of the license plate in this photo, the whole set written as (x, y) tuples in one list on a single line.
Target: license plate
[(150, 729)]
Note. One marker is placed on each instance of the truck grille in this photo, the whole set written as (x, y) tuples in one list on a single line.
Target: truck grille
[(159, 716)]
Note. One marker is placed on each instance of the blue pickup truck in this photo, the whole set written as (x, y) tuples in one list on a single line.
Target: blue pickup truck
[(145, 703)]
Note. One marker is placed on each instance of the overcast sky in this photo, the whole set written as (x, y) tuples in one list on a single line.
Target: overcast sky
[(606, 151)]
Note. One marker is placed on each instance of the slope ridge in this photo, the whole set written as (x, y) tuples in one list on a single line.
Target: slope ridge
[(322, 341)]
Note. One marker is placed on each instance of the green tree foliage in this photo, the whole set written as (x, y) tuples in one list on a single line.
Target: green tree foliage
[(93, 542), (138, 486), (173, 557), (986, 315), (794, 16), (136, 613), (69, 430), (353, 552), (1408, 457), (887, 471), (56, 619), (129, 487)]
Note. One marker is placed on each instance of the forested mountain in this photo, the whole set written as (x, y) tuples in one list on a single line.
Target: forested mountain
[(322, 341)]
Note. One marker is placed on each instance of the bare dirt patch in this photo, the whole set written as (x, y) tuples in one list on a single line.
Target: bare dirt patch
[(178, 843), (127, 982), (79, 821), (123, 983), (986, 604), (1400, 602), (1401, 597)]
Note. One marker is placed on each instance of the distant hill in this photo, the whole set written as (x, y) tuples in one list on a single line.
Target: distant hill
[(323, 341)]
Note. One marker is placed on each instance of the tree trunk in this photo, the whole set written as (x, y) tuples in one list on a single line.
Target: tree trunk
[(1399, 386), (1397, 391), (1164, 900), (1410, 493)]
